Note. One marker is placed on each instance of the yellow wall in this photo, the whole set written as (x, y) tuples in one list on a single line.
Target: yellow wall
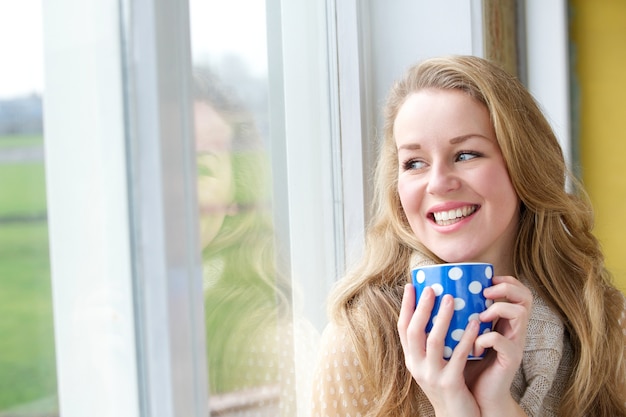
[(598, 36)]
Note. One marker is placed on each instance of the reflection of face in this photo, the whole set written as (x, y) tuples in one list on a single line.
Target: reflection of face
[(215, 180), (452, 180)]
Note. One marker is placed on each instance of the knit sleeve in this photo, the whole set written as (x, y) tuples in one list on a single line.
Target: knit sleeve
[(339, 389), (540, 382)]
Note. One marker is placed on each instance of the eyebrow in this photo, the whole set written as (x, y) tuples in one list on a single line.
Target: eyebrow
[(453, 141)]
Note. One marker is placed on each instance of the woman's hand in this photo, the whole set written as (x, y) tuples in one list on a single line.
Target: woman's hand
[(490, 379), (480, 388), (442, 381)]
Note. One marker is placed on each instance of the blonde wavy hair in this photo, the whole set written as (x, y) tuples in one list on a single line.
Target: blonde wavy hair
[(249, 297), (555, 250)]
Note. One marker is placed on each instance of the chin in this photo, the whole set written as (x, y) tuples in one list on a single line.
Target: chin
[(455, 257)]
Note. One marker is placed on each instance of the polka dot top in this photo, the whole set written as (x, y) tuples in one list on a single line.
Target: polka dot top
[(338, 388)]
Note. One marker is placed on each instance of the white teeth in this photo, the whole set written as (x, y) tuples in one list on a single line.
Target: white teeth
[(444, 218)]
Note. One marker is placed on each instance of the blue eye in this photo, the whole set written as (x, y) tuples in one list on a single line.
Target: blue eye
[(413, 164), (466, 155)]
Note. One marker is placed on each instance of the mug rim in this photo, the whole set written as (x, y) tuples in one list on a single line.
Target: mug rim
[(452, 264)]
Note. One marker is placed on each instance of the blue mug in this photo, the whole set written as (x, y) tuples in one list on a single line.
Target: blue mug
[(465, 282)]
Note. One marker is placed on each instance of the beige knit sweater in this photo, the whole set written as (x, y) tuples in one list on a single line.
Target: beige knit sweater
[(339, 389)]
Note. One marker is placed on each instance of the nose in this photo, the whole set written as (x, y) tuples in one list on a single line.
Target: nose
[(442, 179)]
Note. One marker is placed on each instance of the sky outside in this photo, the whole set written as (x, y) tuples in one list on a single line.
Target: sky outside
[(217, 28), (21, 48)]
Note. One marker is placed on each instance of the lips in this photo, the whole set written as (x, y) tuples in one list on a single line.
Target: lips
[(448, 217)]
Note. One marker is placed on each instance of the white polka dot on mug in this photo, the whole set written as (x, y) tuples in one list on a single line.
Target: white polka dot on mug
[(465, 282)]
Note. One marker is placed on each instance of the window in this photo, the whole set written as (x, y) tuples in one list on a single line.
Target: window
[(133, 269), (27, 354), (263, 135)]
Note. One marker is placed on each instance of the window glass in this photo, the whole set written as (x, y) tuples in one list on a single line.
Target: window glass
[(250, 327), (27, 354)]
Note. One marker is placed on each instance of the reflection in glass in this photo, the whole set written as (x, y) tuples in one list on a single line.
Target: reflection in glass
[(252, 335), (246, 304), (27, 356)]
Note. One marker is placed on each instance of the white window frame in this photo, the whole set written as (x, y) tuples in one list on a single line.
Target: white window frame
[(548, 65), (87, 210), (304, 129), (122, 212)]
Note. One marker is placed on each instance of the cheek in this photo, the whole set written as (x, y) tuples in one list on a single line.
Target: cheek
[(509, 201), (410, 197), (500, 189)]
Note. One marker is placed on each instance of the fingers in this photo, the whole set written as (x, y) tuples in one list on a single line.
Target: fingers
[(511, 313), (406, 312), (412, 321), (436, 338), (514, 300), (407, 307), (508, 352), (465, 347), (507, 288)]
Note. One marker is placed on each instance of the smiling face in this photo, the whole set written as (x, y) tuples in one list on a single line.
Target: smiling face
[(452, 180), (215, 183)]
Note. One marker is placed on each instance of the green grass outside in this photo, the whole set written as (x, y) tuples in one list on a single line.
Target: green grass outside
[(27, 357), (27, 362), (22, 190), (20, 141)]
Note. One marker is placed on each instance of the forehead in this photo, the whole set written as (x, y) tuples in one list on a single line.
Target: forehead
[(212, 131), (436, 114)]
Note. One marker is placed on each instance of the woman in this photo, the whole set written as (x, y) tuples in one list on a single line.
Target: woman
[(248, 313), (470, 170)]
